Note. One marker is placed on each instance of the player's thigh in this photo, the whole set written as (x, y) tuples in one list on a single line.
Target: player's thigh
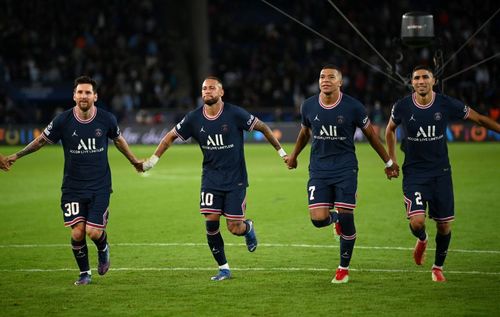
[(74, 207), (345, 189), (320, 195), (235, 204), (98, 211), (211, 202), (416, 194), (442, 205)]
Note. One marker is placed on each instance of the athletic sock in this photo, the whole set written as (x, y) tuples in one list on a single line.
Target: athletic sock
[(347, 238), (442, 244), (81, 254), (420, 233), (101, 242), (215, 242)]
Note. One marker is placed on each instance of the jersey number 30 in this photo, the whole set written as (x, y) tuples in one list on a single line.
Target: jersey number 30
[(72, 209)]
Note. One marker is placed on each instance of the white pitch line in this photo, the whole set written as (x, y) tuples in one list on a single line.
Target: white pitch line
[(254, 269), (271, 245)]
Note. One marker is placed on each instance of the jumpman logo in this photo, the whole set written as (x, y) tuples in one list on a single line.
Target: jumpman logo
[(74, 133), (202, 130), (412, 118), (316, 118)]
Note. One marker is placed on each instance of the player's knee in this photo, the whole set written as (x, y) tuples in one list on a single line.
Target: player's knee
[(78, 232), (78, 235), (417, 223), (321, 223), (94, 234), (212, 227), (443, 228), (236, 227)]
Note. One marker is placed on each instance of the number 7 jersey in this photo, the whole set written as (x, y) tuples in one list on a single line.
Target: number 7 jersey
[(332, 128)]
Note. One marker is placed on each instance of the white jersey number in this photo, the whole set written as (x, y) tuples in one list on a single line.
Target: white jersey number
[(72, 209)]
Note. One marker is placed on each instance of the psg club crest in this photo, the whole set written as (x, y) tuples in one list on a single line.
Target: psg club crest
[(437, 116), (98, 132), (340, 119), (225, 128)]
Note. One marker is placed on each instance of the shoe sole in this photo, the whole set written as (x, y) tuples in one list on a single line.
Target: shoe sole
[(342, 281)]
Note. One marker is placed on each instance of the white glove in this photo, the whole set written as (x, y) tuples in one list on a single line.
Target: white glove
[(150, 162)]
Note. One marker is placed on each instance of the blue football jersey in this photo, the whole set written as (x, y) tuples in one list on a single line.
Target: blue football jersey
[(221, 141), (85, 144), (424, 127), (333, 128)]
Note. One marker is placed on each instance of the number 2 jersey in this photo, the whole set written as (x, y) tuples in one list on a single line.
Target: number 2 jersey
[(424, 129), (221, 140), (85, 144), (332, 128)]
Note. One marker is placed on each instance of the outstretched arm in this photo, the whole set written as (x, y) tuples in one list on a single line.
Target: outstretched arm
[(391, 167), (484, 121), (302, 140), (34, 146), (122, 145), (264, 128), (165, 143)]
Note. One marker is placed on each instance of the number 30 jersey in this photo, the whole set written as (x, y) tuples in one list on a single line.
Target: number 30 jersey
[(85, 144)]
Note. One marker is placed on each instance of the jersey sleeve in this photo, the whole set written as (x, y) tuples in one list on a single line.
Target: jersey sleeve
[(458, 110), (114, 130), (183, 128), (245, 120), (361, 116), (396, 114), (303, 115), (53, 131)]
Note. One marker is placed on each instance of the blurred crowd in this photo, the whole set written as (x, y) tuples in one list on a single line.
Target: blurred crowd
[(268, 62)]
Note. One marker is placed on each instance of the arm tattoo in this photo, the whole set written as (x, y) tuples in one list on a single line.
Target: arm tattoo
[(34, 146)]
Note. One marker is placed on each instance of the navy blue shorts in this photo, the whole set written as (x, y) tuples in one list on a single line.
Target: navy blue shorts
[(230, 204), (434, 192), (333, 193), (90, 208)]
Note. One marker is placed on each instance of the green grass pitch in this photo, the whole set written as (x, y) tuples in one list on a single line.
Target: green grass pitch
[(161, 264)]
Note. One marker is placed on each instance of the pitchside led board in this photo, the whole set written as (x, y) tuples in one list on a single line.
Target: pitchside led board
[(284, 131)]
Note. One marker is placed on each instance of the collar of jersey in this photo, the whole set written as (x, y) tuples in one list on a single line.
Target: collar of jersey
[(414, 97), (330, 106), (82, 120), (214, 117)]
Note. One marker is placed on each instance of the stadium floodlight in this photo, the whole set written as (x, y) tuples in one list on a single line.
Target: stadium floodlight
[(417, 29)]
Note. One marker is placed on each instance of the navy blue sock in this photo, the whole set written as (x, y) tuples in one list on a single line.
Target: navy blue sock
[(347, 238), (215, 242), (101, 242), (442, 244), (81, 254), (420, 234)]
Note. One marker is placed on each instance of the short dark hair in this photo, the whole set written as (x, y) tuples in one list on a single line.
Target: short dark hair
[(424, 67), (85, 80), (332, 66), (214, 78)]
